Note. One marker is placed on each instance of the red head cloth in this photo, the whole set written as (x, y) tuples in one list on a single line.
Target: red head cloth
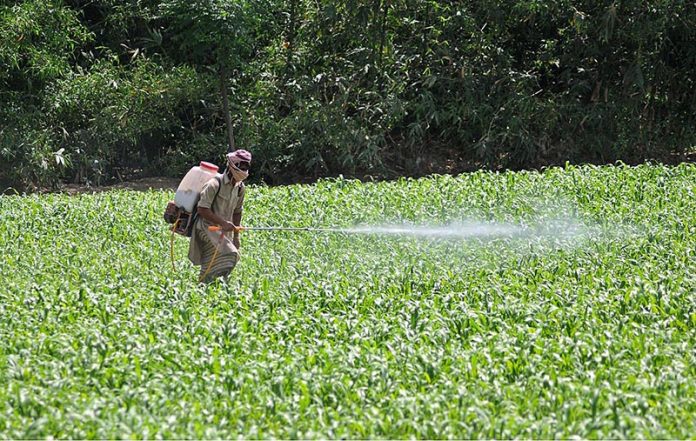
[(238, 156)]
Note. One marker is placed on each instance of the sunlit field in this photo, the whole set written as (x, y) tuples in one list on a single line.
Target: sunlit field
[(584, 324)]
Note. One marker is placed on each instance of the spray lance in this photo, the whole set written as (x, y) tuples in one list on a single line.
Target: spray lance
[(315, 230)]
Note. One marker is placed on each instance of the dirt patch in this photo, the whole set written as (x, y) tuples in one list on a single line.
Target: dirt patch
[(144, 184)]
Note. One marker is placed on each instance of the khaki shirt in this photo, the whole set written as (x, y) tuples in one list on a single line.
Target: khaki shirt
[(229, 201)]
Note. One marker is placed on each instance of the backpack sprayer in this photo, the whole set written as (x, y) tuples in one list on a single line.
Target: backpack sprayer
[(182, 211)]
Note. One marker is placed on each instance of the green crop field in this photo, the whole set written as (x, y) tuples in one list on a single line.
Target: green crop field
[(584, 327)]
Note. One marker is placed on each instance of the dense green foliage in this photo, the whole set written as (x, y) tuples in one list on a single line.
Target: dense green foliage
[(359, 336), (102, 87)]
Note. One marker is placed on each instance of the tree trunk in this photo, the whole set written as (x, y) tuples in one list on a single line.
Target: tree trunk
[(383, 33), (226, 110), (291, 37)]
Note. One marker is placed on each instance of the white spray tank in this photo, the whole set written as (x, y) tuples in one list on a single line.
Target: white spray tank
[(189, 190)]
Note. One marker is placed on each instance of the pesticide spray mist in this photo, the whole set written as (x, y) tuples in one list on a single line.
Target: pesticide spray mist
[(550, 229), (556, 223), (465, 230)]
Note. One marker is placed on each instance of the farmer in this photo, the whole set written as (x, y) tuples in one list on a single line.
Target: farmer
[(220, 205)]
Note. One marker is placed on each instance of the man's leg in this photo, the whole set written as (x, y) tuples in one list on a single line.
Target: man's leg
[(222, 266)]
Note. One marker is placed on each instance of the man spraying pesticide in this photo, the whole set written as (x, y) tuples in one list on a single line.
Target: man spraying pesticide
[(206, 208), (221, 204)]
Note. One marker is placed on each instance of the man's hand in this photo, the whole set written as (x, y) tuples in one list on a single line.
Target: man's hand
[(227, 226)]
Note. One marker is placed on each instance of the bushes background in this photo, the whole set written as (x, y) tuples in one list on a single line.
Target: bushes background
[(92, 91)]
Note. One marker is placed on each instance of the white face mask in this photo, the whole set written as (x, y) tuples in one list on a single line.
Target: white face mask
[(238, 174)]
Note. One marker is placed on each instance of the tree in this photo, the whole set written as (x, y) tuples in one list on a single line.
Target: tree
[(40, 40), (216, 35)]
